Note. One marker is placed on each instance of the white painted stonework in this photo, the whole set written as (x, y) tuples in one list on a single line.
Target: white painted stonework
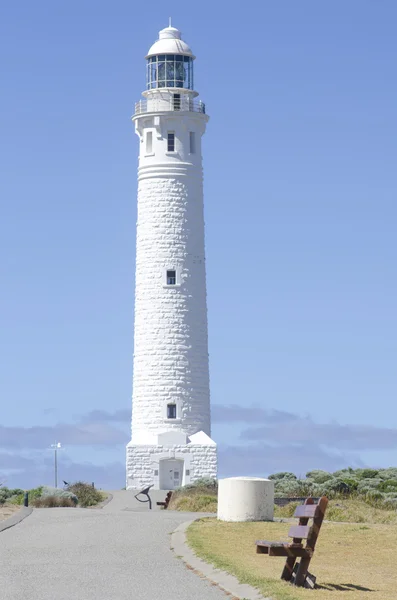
[(171, 332), (245, 499)]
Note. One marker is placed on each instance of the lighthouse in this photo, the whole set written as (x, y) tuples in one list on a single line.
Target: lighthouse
[(171, 443)]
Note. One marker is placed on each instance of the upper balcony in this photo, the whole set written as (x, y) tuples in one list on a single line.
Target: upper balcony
[(173, 103)]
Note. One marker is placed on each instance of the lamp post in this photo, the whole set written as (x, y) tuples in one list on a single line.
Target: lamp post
[(56, 446)]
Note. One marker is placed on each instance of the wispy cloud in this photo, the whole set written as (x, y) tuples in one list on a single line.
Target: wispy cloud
[(101, 416), (110, 476), (274, 425), (261, 459), (81, 434)]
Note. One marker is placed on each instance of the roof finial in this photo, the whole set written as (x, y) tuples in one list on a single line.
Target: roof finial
[(170, 25)]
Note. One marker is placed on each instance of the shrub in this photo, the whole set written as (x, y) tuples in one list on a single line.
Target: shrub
[(333, 487), (373, 496), (390, 473), (283, 475), (365, 484), (390, 485), (366, 473), (352, 483), (390, 503), (47, 490), (319, 476), (16, 499), (85, 494), (6, 494), (53, 502)]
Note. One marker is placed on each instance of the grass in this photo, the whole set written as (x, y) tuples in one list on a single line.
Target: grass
[(348, 510), (195, 503), (7, 510), (356, 558), (342, 509), (195, 500)]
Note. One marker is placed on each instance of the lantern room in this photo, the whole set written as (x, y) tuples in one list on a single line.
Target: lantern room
[(169, 62)]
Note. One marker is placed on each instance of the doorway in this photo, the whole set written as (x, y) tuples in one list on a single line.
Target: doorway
[(171, 473)]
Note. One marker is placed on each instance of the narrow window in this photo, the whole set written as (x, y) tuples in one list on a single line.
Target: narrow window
[(149, 142), (192, 142), (171, 411), (177, 101), (171, 142), (171, 277)]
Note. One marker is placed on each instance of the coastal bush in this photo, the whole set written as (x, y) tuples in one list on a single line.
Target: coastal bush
[(85, 494)]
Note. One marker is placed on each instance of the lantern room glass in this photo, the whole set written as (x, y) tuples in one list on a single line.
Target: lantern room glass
[(169, 70)]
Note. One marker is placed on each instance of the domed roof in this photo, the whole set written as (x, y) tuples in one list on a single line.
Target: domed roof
[(170, 42)]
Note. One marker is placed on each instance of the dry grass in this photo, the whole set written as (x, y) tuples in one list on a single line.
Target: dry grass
[(359, 559), (6, 510), (53, 502)]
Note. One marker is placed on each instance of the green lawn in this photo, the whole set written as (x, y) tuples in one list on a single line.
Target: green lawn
[(355, 558)]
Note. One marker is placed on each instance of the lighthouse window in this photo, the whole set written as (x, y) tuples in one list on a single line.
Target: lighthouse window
[(192, 142), (171, 411), (170, 70), (177, 101), (171, 277), (171, 142), (149, 142)]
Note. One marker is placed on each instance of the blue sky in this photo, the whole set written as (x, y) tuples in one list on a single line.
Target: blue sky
[(300, 203)]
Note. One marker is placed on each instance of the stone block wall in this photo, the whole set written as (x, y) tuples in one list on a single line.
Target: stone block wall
[(143, 461)]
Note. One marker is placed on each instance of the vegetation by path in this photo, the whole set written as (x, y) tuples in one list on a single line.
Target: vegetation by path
[(77, 494), (356, 558), (7, 510)]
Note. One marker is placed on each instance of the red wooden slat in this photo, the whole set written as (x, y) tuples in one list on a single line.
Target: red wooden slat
[(305, 510), (299, 531)]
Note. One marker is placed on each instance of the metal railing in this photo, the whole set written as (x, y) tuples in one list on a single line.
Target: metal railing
[(169, 104)]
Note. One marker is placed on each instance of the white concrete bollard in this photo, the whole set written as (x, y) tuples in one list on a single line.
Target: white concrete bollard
[(245, 499)]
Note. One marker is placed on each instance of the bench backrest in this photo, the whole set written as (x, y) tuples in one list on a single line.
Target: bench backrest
[(303, 531)]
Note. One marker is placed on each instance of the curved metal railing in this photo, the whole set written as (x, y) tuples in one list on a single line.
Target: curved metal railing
[(169, 104)]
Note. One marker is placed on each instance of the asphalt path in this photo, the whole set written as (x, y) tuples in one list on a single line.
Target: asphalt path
[(119, 552)]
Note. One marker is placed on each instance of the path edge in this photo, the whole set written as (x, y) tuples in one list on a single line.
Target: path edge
[(227, 582), (16, 518)]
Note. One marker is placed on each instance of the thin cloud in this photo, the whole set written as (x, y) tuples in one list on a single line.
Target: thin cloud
[(110, 476), (84, 434), (260, 460), (271, 425), (101, 416)]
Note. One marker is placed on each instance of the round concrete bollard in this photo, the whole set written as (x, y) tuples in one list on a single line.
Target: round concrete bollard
[(245, 499)]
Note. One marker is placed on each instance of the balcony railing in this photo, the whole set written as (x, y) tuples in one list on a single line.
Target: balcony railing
[(169, 104)]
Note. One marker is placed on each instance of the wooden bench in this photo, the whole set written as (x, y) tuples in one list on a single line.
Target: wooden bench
[(298, 573), (166, 501)]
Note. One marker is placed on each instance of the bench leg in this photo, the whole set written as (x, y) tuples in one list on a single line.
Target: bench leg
[(288, 568), (302, 572)]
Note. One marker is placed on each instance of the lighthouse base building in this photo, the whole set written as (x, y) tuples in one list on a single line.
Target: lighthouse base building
[(171, 443), (176, 460)]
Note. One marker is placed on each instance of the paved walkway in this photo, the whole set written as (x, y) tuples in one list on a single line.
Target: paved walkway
[(119, 552)]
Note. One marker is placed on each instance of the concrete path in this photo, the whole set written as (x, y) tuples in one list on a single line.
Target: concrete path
[(119, 552)]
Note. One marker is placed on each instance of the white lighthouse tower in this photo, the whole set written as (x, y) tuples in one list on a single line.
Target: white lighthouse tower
[(170, 444)]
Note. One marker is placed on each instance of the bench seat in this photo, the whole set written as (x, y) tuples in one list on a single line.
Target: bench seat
[(282, 549), (298, 574)]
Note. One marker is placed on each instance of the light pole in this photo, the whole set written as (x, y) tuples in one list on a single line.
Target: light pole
[(56, 446)]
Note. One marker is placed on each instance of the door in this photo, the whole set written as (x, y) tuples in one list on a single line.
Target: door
[(171, 474)]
